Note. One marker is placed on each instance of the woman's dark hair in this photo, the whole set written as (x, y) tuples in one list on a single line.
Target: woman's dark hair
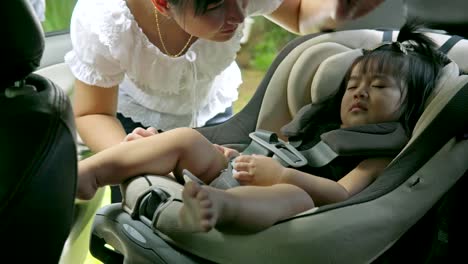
[(413, 59), (199, 5)]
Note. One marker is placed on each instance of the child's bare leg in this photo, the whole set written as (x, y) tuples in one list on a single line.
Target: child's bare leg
[(245, 208), (160, 154)]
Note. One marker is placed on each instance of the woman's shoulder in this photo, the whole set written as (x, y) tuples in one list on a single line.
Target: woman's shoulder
[(102, 23), (262, 7), (88, 9), (101, 17), (100, 33)]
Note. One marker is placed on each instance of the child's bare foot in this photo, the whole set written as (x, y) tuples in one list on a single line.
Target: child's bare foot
[(200, 210)]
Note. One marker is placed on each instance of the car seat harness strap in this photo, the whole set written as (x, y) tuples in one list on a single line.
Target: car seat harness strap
[(384, 139), (267, 143), (448, 45)]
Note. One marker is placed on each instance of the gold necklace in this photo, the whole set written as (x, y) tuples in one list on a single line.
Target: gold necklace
[(162, 41)]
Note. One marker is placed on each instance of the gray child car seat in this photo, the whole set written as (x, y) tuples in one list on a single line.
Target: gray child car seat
[(372, 226)]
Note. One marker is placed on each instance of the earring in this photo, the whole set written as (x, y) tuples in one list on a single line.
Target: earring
[(160, 4), (163, 3)]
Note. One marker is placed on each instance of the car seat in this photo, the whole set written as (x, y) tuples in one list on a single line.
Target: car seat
[(363, 229), (38, 165)]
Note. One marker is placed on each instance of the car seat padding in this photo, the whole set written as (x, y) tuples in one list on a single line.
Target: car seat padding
[(305, 69), (330, 74)]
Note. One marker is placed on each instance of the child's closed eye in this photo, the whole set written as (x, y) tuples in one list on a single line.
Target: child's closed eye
[(379, 84)]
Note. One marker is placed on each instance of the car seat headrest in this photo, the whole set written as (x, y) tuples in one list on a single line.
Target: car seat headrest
[(305, 70), (314, 70), (330, 75), (23, 42)]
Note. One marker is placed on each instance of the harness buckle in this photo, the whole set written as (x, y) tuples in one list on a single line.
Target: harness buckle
[(281, 150)]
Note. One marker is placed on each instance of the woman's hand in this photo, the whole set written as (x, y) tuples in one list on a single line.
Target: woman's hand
[(229, 153), (257, 170), (140, 132)]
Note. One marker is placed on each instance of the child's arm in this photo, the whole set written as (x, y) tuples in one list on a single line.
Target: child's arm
[(324, 191), (264, 171)]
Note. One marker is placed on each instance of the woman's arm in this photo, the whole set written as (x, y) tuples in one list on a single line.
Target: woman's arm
[(95, 115), (304, 17), (324, 191), (310, 16)]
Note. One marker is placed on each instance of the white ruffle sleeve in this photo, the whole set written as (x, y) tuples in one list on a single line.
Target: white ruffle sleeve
[(91, 60)]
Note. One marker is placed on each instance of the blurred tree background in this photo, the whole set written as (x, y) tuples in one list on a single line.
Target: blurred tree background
[(265, 41)]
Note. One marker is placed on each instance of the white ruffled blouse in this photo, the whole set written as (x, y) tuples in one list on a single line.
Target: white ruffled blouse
[(109, 48)]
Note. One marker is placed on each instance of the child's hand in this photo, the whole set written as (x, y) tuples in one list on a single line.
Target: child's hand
[(227, 152), (140, 132), (257, 170)]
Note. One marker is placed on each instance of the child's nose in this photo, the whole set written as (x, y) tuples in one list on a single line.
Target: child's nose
[(361, 92)]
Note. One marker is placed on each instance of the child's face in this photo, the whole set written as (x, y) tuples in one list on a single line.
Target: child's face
[(370, 98), (218, 23)]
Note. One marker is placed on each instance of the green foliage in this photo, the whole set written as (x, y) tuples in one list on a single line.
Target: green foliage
[(271, 40), (58, 14)]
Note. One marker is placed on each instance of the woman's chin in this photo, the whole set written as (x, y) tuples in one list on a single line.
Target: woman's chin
[(222, 37)]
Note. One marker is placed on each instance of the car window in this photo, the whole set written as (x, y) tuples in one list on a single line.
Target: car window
[(54, 15)]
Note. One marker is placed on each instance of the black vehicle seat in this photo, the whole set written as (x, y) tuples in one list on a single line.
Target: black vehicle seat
[(38, 164)]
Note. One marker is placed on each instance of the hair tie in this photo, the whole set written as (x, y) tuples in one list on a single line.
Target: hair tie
[(404, 46)]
